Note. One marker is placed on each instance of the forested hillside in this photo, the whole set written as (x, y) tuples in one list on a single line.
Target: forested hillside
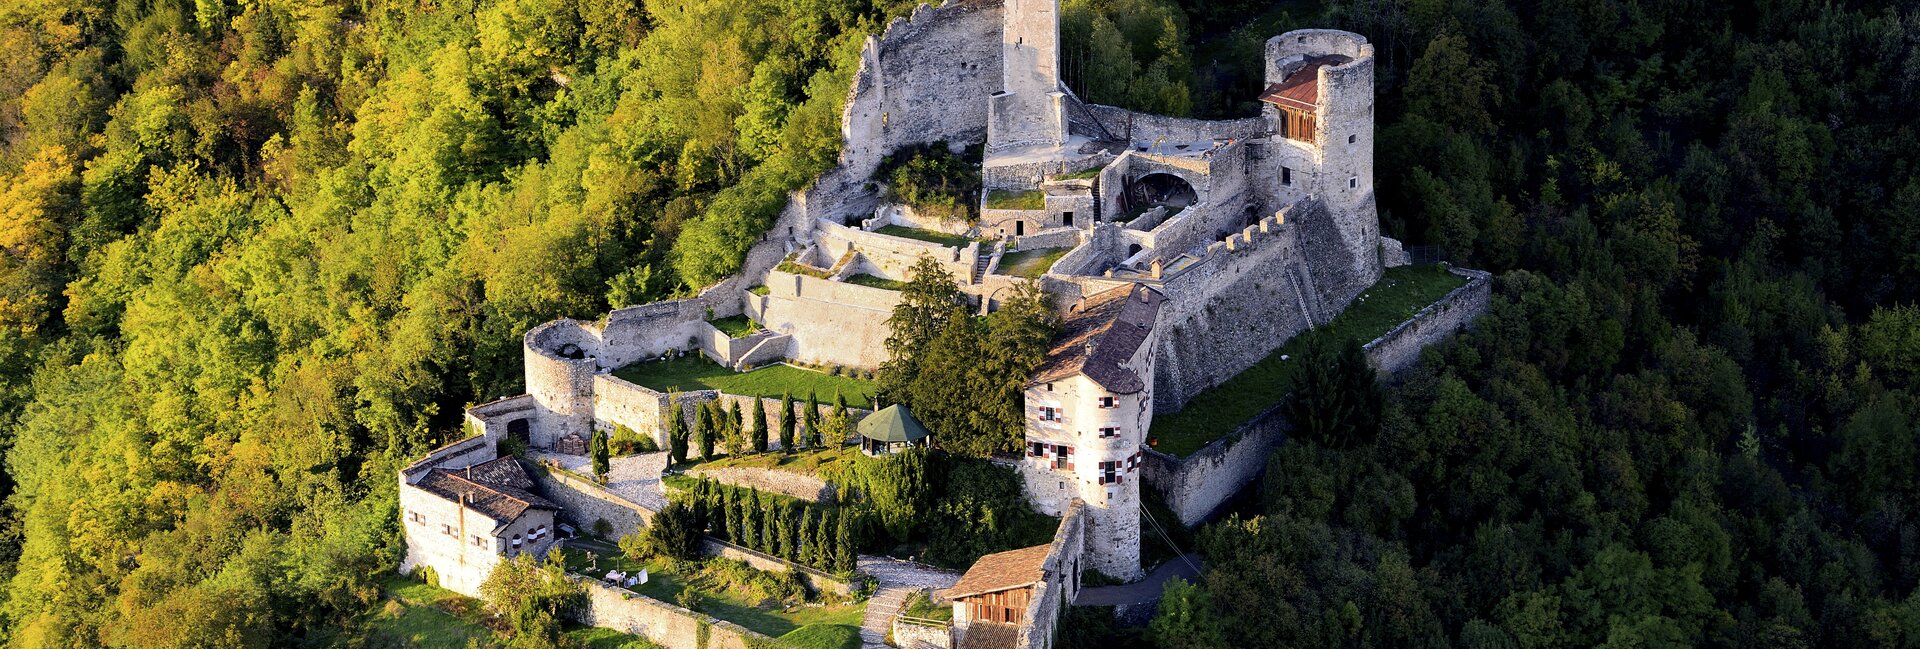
[(1690, 418), (256, 255)]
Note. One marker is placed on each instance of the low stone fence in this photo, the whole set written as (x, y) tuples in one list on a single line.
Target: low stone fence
[(786, 483), (1400, 348), (1194, 486), (819, 581), (584, 502), (665, 624), (912, 633)]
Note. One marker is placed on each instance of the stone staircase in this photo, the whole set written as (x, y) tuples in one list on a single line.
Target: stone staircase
[(980, 267), (886, 604)]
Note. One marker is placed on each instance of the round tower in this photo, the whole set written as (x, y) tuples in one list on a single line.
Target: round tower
[(1319, 101), (561, 361)]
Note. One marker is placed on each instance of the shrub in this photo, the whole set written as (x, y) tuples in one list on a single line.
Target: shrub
[(689, 598), (674, 533), (602, 528)]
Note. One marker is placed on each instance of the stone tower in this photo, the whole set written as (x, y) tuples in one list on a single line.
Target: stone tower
[(1319, 101), (1029, 110)]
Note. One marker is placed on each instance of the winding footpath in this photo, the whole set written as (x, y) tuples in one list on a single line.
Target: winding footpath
[(896, 580)]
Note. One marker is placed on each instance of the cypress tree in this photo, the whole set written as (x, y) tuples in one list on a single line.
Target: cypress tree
[(814, 437), (750, 520), (786, 422), (769, 510), (602, 456), (843, 556), (731, 511), (757, 428), (707, 430), (803, 537), (676, 434), (823, 538)]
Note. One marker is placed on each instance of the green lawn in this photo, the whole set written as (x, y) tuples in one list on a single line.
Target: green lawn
[(931, 236), (1398, 295), (1081, 175), (824, 636), (736, 326), (1001, 199), (695, 372), (876, 281), (1030, 264), (921, 606), (594, 637), (822, 463), (665, 581), (760, 290), (790, 267)]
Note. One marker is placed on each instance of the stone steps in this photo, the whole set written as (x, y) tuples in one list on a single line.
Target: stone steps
[(881, 609)]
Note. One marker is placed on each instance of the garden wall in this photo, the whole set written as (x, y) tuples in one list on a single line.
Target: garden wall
[(1400, 348), (583, 502), (785, 483), (819, 581), (668, 625)]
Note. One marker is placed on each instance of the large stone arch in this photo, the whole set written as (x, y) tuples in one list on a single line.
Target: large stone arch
[(1170, 188)]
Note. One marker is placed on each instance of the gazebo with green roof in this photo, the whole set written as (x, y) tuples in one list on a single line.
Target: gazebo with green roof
[(891, 428)]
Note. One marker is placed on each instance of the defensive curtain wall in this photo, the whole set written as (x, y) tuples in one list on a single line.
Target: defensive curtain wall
[(1060, 583), (1198, 484)]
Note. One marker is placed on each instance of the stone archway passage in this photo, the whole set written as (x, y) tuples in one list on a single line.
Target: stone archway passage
[(520, 430), (1160, 188)]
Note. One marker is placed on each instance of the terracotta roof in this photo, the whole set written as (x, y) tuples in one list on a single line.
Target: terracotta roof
[(1100, 335), (1301, 89), (497, 489), (1001, 571)]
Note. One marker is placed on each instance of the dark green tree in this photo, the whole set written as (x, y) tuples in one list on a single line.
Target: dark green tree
[(757, 426), (677, 434), (843, 551), (816, 439), (602, 455), (675, 532), (1334, 398), (786, 422)]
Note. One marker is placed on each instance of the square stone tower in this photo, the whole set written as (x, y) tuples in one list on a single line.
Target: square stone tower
[(1030, 110)]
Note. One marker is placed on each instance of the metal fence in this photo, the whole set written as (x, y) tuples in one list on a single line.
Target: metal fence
[(1426, 254)]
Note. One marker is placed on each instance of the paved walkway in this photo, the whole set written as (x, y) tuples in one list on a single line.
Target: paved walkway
[(1145, 590), (635, 478)]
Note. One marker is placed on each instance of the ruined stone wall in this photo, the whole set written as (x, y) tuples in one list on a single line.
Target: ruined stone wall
[(562, 388), (832, 323), (665, 624), (893, 255), (618, 402), (926, 79), (1144, 128), (819, 581), (908, 635), (492, 418), (1400, 348), (1198, 484), (1228, 310)]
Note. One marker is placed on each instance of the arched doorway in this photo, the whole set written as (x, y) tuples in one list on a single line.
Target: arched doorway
[(1165, 189)]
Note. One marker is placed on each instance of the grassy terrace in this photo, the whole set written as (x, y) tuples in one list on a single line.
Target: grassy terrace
[(413, 614), (1081, 175), (735, 326), (1030, 264), (875, 281), (695, 372), (1401, 293), (802, 626), (823, 463), (1001, 199), (930, 236)]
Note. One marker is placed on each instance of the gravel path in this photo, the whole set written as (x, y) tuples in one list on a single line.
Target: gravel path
[(635, 478), (896, 580)]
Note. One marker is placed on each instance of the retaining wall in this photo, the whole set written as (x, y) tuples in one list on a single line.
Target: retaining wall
[(786, 483), (818, 581), (665, 624), (1194, 486), (583, 502)]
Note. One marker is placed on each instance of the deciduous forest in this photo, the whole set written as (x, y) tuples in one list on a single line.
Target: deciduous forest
[(255, 255)]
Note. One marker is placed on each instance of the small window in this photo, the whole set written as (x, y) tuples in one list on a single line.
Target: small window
[(446, 529), (1049, 387), (1049, 413), (1353, 183), (416, 517), (479, 542), (1286, 176), (1352, 139), (1110, 432), (1107, 402), (1066, 218), (1036, 449)]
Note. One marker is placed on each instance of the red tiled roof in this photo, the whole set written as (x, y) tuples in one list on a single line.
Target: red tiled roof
[(1301, 89), (1001, 571), (1102, 334)]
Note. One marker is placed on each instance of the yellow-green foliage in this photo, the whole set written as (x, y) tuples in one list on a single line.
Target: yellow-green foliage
[(258, 254)]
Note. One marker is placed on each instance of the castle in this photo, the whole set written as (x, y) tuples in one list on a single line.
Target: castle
[(1187, 250)]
